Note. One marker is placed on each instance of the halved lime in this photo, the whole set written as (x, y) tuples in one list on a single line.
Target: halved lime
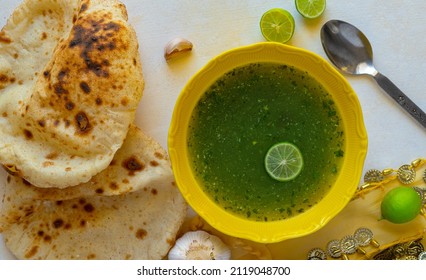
[(277, 25), (310, 8), (400, 205), (283, 161)]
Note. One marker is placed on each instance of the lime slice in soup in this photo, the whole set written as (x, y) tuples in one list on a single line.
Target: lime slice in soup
[(283, 161)]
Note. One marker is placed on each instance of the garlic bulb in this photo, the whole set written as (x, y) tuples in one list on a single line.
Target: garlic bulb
[(199, 245), (176, 47)]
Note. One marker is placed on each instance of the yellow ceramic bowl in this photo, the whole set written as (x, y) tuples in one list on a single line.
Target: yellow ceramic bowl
[(355, 144)]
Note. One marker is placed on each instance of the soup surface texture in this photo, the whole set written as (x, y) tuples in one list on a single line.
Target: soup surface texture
[(241, 116)]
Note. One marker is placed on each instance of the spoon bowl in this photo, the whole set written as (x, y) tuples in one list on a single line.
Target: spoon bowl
[(336, 36), (350, 51)]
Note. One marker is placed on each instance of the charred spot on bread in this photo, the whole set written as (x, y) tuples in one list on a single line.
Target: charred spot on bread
[(4, 38), (89, 208), (58, 223), (69, 106), (141, 233), (133, 165), (84, 7), (42, 123), (82, 123), (85, 87), (93, 36), (4, 80), (28, 134)]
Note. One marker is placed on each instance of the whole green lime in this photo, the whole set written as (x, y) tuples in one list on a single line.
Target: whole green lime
[(401, 205)]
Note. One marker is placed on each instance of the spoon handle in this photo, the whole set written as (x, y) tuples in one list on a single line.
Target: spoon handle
[(403, 100)]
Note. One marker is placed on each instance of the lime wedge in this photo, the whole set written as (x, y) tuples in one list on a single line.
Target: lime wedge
[(283, 161), (277, 25), (310, 8)]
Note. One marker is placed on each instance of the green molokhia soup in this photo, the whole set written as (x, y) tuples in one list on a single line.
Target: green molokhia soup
[(241, 116)]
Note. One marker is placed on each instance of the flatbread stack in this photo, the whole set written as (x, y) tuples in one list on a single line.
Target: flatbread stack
[(71, 84), (131, 210), (84, 182)]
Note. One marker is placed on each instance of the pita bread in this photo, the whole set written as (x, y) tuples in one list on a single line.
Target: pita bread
[(139, 162), (70, 83), (138, 222)]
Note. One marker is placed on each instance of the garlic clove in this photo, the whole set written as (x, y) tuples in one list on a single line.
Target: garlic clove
[(177, 47), (199, 245)]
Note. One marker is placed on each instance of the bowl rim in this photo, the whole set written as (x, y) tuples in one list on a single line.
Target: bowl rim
[(353, 125)]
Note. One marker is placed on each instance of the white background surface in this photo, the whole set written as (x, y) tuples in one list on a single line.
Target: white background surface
[(395, 28)]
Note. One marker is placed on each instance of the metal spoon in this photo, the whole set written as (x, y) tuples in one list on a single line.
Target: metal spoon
[(349, 49)]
